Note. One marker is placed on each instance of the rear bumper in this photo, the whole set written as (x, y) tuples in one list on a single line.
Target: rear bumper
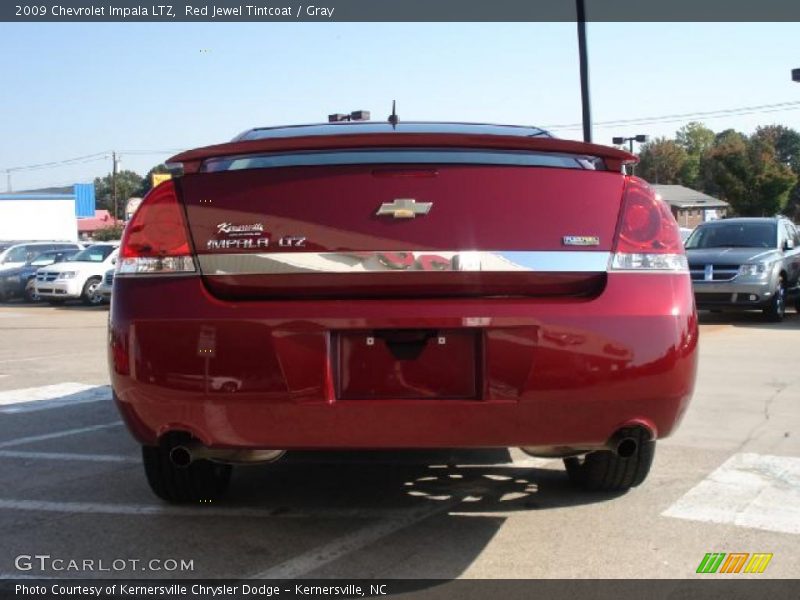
[(553, 371)]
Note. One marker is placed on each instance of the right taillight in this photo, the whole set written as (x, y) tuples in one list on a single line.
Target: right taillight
[(156, 240), (648, 238)]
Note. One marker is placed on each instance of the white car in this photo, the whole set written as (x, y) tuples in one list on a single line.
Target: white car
[(16, 255), (78, 278)]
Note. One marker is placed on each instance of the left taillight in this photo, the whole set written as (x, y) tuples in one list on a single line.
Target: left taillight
[(156, 241), (648, 237)]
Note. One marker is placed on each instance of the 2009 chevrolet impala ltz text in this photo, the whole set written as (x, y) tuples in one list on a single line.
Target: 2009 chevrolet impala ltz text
[(385, 286)]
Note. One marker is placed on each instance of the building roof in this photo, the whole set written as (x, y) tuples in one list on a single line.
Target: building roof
[(101, 220), (683, 197)]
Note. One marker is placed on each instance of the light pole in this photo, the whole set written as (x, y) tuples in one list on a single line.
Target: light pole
[(583, 64), (636, 138)]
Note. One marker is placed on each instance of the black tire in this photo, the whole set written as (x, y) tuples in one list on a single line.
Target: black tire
[(89, 295), (604, 471), (29, 293), (201, 481), (776, 309)]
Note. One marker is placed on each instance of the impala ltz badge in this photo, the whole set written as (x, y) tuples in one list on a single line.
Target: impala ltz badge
[(581, 240), (404, 208)]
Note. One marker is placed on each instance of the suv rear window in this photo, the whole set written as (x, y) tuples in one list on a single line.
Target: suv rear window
[(403, 156)]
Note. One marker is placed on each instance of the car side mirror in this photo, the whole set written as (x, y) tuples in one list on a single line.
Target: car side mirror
[(788, 245)]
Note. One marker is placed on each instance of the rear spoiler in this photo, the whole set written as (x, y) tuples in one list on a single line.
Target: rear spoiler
[(613, 158)]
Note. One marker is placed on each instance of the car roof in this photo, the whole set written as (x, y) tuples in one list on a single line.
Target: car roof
[(363, 127)]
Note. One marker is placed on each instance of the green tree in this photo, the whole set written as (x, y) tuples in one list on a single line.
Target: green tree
[(696, 139), (786, 142), (661, 161), (128, 185), (748, 174)]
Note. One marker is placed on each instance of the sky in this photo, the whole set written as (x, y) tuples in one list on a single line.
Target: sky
[(148, 90)]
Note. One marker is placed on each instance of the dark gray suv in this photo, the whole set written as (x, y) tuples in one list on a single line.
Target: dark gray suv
[(748, 263)]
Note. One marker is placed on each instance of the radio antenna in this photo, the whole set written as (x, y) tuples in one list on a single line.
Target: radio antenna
[(393, 118)]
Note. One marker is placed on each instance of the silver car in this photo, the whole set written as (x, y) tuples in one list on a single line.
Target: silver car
[(746, 263), (104, 289)]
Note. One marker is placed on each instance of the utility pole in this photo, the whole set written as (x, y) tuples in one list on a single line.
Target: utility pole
[(584, 69), (114, 184)]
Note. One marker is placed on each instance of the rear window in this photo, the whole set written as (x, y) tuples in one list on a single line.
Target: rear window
[(402, 157)]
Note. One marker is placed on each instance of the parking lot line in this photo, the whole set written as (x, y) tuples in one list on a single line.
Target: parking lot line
[(42, 357), (747, 490), (51, 396), (389, 515), (316, 558), (57, 434), (112, 458)]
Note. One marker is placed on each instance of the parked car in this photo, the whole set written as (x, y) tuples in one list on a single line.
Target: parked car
[(78, 278), (745, 264), (18, 254), (420, 285), (106, 286), (20, 282)]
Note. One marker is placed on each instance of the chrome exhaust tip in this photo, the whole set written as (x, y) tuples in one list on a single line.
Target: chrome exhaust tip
[(184, 455), (626, 447), (181, 456)]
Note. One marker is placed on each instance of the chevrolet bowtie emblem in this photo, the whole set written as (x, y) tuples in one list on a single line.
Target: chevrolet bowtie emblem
[(404, 208)]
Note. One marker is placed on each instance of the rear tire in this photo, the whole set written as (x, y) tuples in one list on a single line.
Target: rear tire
[(201, 481), (776, 309), (604, 471), (89, 295)]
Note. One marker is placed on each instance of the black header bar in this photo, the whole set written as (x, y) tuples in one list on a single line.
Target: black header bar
[(396, 10)]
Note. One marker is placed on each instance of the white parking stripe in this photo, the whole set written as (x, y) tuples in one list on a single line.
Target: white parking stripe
[(57, 434), (748, 490), (112, 458), (393, 515), (320, 556), (51, 396), (42, 357)]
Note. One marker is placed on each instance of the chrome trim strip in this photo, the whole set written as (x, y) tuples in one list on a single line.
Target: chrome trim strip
[(403, 261)]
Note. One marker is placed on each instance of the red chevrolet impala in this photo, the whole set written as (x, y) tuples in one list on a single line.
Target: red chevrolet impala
[(418, 285)]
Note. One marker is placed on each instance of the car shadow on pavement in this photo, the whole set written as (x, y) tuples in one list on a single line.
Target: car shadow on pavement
[(468, 480), (463, 498)]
